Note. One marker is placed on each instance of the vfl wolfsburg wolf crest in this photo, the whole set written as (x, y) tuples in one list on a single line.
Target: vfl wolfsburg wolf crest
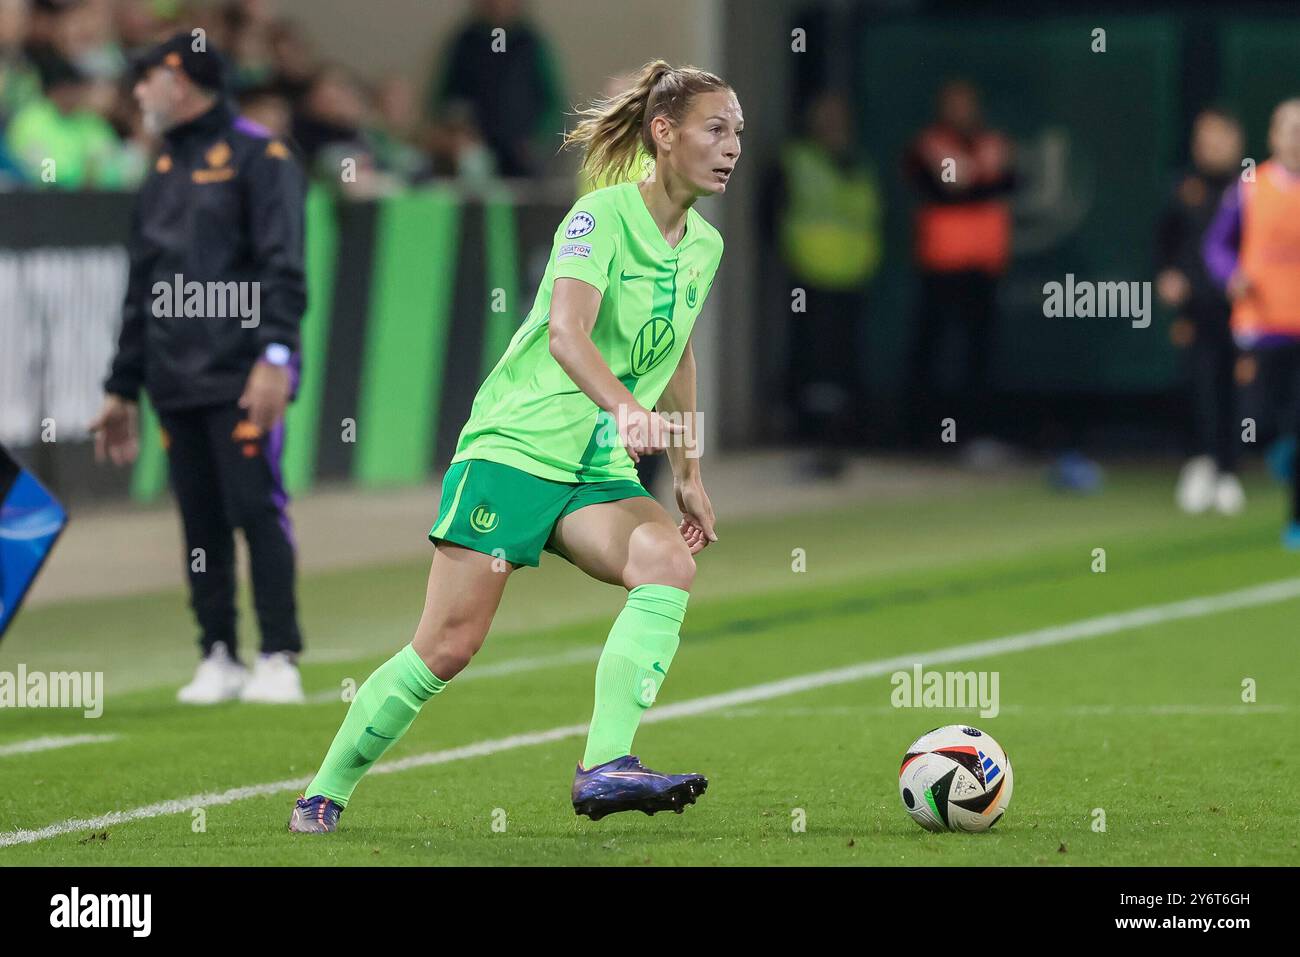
[(481, 520), (652, 345), (692, 293)]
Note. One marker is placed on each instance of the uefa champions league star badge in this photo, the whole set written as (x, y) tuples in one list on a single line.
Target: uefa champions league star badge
[(581, 224)]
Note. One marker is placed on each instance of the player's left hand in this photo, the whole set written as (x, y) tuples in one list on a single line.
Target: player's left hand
[(265, 395), (697, 514)]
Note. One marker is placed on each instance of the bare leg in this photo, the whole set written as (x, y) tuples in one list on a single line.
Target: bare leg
[(630, 542), (465, 589)]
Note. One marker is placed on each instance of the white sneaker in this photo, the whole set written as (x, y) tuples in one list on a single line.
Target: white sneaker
[(1196, 485), (218, 678), (1229, 497), (275, 681)]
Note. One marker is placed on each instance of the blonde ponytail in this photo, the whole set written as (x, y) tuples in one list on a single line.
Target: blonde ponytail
[(612, 129)]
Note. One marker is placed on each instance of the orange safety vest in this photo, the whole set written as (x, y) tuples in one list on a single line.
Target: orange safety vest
[(958, 236), (1270, 254)]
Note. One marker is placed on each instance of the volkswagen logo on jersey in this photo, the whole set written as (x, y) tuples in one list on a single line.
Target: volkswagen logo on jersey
[(652, 345), (581, 224)]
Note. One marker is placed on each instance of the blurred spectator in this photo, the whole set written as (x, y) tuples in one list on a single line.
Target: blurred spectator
[(266, 107), (57, 142), (19, 81), (457, 148), (333, 127), (397, 126), (42, 30), (1251, 249), (510, 83), (963, 172), (822, 211), (246, 32), (1200, 329), (86, 36), (293, 61), (138, 25), (327, 123)]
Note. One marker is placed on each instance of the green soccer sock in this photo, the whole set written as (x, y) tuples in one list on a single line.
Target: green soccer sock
[(385, 706), (632, 668)]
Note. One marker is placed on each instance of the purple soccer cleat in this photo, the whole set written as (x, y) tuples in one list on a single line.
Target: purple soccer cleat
[(625, 785), (314, 815)]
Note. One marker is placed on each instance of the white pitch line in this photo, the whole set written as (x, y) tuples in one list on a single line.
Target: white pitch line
[(1042, 638), (52, 742), (1091, 710)]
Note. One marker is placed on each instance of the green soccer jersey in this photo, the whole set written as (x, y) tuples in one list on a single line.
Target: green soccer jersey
[(528, 413)]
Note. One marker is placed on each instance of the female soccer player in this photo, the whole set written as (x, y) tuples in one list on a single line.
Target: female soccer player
[(546, 458)]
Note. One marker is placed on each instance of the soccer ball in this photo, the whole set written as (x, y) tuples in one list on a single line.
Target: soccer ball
[(955, 779)]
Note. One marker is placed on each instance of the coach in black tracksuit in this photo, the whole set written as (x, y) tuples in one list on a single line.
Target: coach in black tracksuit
[(1183, 283), (224, 204)]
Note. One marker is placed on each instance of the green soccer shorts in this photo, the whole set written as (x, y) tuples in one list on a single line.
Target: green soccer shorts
[(508, 513)]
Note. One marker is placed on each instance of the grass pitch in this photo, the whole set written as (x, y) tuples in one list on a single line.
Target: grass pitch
[(1141, 726)]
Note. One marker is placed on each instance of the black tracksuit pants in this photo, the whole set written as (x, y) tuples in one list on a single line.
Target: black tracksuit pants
[(1212, 393), (824, 386), (225, 475), (1273, 398), (964, 301)]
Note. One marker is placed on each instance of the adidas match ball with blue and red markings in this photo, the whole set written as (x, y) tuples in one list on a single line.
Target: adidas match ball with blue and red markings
[(955, 779)]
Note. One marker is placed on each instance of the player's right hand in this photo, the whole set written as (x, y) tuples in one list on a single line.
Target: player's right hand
[(115, 431), (643, 432)]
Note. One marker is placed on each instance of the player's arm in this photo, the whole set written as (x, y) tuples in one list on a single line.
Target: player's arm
[(1171, 232), (678, 400), (574, 307), (276, 191), (1221, 245)]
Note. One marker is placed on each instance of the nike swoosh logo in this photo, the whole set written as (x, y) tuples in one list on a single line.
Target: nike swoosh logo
[(635, 774), (658, 669), (386, 737), (625, 277)]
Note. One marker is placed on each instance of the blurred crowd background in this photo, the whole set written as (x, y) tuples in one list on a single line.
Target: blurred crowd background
[(65, 93)]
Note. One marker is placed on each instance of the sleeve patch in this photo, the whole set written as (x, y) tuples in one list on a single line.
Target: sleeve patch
[(581, 224), (277, 150), (574, 249)]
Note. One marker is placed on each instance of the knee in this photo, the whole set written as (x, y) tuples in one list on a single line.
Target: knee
[(447, 646), (681, 569), (670, 563)]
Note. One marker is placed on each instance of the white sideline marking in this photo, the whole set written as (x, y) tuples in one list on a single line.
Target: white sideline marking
[(1044, 637), (1090, 710), (50, 743)]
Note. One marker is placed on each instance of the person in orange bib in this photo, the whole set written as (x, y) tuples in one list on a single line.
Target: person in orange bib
[(964, 174), (1252, 249)]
